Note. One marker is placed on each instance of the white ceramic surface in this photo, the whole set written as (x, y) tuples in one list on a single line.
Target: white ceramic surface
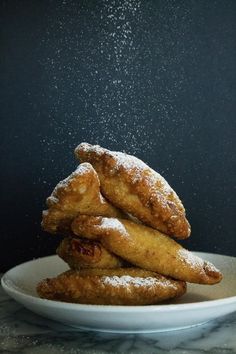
[(202, 303)]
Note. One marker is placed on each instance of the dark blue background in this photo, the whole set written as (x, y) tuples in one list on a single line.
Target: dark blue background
[(153, 78)]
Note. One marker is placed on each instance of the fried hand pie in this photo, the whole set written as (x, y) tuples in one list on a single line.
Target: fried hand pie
[(122, 286), (77, 194), (131, 185), (147, 248)]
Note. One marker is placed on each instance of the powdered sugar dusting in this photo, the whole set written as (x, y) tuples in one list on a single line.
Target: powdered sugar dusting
[(129, 163), (82, 169), (192, 260), (114, 224), (65, 183), (127, 280)]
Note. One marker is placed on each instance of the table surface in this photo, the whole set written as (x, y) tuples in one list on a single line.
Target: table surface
[(22, 331)]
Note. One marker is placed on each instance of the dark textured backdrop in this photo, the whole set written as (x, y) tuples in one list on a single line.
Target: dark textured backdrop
[(153, 78)]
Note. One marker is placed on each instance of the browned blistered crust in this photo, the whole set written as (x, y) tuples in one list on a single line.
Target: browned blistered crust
[(77, 194), (83, 253), (137, 189), (122, 286)]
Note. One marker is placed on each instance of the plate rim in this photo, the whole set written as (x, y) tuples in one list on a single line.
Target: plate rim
[(114, 308)]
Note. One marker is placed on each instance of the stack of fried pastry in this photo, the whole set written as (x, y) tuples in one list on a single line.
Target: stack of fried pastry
[(119, 219)]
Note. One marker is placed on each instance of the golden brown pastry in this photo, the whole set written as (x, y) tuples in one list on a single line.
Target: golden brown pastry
[(146, 248), (122, 286), (77, 194), (84, 253), (131, 185)]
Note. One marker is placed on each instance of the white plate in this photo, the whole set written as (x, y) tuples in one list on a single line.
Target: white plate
[(202, 303)]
